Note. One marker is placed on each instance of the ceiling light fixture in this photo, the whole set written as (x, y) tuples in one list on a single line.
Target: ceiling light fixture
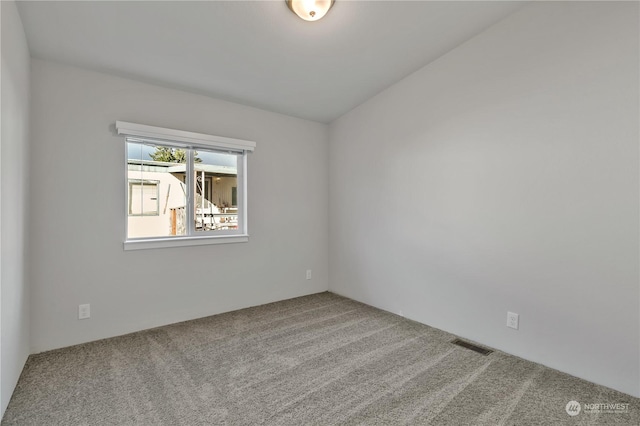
[(310, 10)]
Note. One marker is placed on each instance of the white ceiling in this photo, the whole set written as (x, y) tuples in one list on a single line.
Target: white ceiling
[(259, 53)]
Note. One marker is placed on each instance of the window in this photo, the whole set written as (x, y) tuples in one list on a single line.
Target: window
[(183, 188), (143, 197)]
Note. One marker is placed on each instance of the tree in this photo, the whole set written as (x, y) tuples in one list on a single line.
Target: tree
[(172, 155)]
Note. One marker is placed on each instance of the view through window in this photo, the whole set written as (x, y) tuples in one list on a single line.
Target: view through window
[(181, 191)]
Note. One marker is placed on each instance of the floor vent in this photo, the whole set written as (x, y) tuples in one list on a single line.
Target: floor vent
[(475, 348)]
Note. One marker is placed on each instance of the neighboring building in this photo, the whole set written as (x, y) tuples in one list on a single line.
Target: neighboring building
[(156, 198)]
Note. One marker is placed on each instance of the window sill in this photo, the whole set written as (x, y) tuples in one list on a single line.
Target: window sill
[(155, 243)]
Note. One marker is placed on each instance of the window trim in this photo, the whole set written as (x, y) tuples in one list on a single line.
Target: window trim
[(163, 242), (191, 141), (188, 138)]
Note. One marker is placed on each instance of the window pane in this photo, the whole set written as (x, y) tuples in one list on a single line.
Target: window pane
[(157, 191), (215, 177)]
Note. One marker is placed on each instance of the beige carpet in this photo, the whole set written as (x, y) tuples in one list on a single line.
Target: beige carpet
[(319, 360)]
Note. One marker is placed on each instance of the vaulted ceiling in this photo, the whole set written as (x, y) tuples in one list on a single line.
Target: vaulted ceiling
[(259, 53)]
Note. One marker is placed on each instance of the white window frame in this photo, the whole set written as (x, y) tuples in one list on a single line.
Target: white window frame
[(191, 141)]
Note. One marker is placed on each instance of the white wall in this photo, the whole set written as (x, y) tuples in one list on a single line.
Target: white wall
[(504, 176), (76, 232), (14, 121)]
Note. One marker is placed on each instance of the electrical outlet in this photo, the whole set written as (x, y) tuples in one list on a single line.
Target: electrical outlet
[(84, 311), (308, 274), (512, 320)]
